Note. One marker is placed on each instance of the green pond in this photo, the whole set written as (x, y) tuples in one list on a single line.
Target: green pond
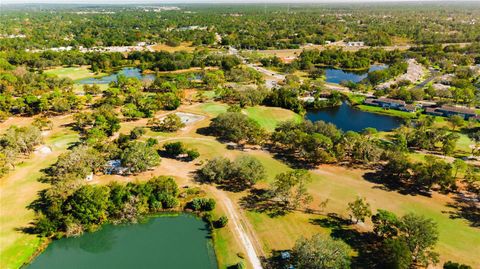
[(173, 242)]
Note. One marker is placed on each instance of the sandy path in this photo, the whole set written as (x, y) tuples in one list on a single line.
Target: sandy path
[(238, 228)]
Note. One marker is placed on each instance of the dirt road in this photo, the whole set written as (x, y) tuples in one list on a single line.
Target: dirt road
[(239, 228)]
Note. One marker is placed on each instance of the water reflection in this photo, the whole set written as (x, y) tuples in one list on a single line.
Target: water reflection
[(348, 118)]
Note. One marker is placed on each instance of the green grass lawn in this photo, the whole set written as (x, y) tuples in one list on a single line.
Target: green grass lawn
[(355, 98), (18, 189), (214, 109), (463, 144), (390, 112), (74, 73), (269, 117), (457, 241)]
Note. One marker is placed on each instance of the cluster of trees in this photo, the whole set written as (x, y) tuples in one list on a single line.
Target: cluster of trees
[(202, 204), (237, 127), (448, 58), (165, 61), (96, 129), (136, 102), (109, 61), (419, 176), (395, 69), (29, 93), (406, 241), (204, 207), (248, 95), (139, 157), (97, 125), (290, 95), (400, 242), (289, 189), (68, 212), (321, 251), (361, 59), (235, 175), (320, 142), (425, 135), (287, 192), (286, 97), (16, 141), (278, 26)]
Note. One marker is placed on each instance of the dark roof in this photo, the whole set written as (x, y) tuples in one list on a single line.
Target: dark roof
[(460, 110), (392, 101), (433, 110), (370, 101), (476, 117)]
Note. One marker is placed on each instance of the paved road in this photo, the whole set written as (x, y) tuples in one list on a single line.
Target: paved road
[(433, 75)]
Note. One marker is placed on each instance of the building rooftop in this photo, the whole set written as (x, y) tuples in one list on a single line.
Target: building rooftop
[(389, 100), (462, 110)]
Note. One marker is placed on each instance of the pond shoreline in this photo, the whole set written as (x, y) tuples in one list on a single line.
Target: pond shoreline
[(143, 220), (388, 112), (350, 118)]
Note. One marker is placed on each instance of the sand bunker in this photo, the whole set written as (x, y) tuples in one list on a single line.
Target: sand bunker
[(45, 150), (188, 118)]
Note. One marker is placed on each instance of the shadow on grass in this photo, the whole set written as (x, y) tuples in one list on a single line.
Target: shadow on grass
[(260, 200), (389, 183), (365, 244), (466, 208), (232, 185), (275, 261)]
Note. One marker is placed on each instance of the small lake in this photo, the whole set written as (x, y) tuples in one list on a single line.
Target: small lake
[(173, 242), (348, 118), (338, 75), (129, 72)]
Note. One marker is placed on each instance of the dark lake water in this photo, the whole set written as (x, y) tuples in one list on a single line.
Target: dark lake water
[(173, 242), (338, 75), (348, 118), (129, 72)]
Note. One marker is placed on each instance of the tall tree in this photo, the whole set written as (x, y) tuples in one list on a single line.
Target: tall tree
[(290, 188), (321, 252), (359, 209)]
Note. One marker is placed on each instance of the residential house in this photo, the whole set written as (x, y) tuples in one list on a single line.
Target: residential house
[(448, 111), (388, 103)]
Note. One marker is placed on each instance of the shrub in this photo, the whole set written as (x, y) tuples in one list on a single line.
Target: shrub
[(221, 222), (202, 204), (192, 154), (174, 149)]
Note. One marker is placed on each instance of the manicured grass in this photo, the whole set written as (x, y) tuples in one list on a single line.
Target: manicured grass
[(213, 109), (73, 73), (355, 98), (17, 190), (280, 233), (458, 241), (463, 144), (269, 117), (226, 245), (390, 112)]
